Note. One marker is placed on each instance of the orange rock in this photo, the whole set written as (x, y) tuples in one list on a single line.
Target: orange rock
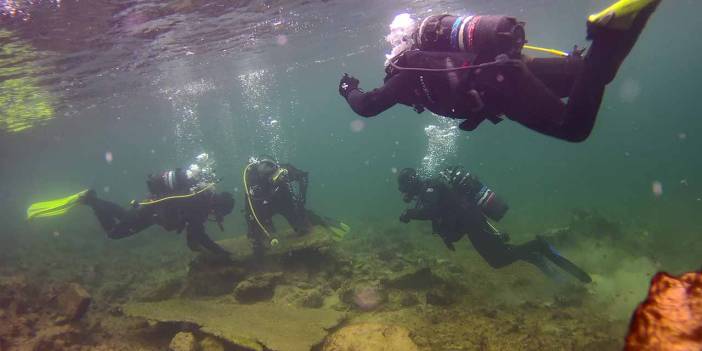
[(671, 317)]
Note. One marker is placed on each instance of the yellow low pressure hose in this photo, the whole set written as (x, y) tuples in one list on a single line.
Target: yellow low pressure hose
[(547, 50), (152, 202), (251, 207)]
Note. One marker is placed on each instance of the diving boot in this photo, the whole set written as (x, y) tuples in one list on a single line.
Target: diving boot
[(614, 32), (554, 256), (88, 197)]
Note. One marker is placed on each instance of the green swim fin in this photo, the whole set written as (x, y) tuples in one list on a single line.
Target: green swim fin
[(338, 228), (55, 207), (621, 14)]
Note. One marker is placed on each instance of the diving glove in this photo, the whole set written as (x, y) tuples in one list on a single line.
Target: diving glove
[(347, 84)]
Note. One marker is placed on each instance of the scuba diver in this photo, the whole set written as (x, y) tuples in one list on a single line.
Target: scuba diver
[(273, 188), (178, 200), (458, 204), (472, 68)]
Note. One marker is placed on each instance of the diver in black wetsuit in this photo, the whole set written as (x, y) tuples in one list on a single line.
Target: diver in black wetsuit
[(178, 200), (480, 73), (273, 188), (457, 203)]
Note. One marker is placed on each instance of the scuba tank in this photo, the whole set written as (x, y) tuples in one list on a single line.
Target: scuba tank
[(485, 36), (197, 176), (476, 192), (169, 183)]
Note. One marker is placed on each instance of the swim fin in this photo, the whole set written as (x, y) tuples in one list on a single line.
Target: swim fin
[(621, 14), (338, 228), (562, 262), (55, 207)]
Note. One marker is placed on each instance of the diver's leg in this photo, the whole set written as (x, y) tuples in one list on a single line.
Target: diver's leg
[(535, 105), (612, 40), (133, 221), (489, 244), (255, 234), (296, 215), (197, 239), (557, 73), (107, 213), (530, 102)]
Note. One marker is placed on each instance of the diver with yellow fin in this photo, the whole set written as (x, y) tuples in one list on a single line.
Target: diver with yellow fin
[(472, 68), (279, 188), (179, 200)]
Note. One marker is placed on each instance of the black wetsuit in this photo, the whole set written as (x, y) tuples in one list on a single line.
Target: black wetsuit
[(269, 199), (189, 214), (526, 90), (452, 217)]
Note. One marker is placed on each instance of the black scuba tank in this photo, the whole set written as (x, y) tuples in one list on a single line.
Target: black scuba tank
[(475, 192), (485, 36), (168, 183)]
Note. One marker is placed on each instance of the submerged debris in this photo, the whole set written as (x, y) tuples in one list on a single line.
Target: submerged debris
[(671, 316)]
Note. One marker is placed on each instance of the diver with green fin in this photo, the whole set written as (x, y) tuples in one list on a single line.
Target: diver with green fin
[(179, 200), (274, 188), (472, 68), (458, 204)]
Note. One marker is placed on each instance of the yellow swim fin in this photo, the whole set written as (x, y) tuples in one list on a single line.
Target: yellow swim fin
[(621, 14), (55, 207), (338, 229)]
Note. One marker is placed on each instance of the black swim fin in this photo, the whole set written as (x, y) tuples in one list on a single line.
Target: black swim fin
[(562, 262)]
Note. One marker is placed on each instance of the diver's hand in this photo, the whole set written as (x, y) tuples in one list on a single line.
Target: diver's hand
[(404, 217), (347, 84)]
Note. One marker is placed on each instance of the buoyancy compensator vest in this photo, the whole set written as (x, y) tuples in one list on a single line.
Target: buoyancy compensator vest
[(451, 92)]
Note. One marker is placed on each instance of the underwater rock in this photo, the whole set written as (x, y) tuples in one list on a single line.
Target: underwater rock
[(114, 291), (183, 341), (408, 300), (209, 343), (364, 297), (290, 244), (671, 316), (440, 297), (257, 288), (370, 337), (56, 338), (212, 277), (416, 278), (163, 290), (313, 299), (73, 302), (249, 327)]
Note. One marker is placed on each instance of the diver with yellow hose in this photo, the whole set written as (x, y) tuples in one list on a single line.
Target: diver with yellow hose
[(179, 200), (472, 68), (273, 188)]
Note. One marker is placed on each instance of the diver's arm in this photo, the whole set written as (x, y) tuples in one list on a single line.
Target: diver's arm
[(299, 176), (196, 236), (425, 209), (420, 213), (372, 103)]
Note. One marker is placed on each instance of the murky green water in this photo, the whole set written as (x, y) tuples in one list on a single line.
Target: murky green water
[(153, 84)]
